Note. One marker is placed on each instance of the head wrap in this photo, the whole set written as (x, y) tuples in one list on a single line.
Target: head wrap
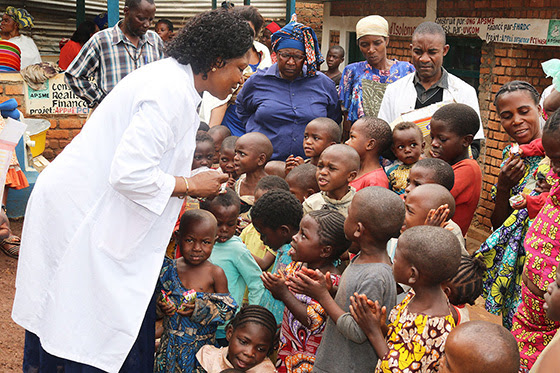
[(21, 16), (10, 56), (298, 36), (372, 25), (101, 20), (272, 27)]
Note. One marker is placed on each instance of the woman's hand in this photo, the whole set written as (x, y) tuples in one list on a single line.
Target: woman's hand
[(275, 284), (206, 184), (523, 204), (510, 174)]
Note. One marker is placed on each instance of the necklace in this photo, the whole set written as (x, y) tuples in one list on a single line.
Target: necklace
[(130, 54)]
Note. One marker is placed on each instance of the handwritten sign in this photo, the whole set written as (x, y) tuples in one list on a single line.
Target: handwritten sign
[(55, 98)]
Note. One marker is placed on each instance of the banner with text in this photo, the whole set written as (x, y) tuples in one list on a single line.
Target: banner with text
[(56, 97)]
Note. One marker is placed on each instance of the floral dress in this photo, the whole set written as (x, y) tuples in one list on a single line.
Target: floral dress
[(416, 341), (298, 344), (503, 252), (184, 336)]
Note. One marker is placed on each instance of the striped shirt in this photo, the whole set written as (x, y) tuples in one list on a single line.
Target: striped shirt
[(109, 56)]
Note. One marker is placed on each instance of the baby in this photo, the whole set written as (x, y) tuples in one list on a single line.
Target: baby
[(408, 145)]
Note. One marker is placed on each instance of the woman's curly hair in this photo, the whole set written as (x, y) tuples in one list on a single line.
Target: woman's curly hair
[(210, 39)]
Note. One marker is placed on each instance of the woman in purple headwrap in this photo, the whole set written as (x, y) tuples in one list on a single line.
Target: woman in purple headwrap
[(281, 100)]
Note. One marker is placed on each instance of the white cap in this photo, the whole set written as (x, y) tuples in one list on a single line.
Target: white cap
[(372, 25)]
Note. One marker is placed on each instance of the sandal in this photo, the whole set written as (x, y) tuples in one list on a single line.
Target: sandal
[(10, 246)]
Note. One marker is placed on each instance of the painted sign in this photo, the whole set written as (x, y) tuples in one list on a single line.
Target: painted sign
[(55, 97)]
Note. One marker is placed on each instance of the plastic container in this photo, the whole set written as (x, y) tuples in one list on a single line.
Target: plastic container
[(37, 132)]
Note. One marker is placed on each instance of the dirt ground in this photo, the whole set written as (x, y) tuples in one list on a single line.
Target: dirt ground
[(12, 335)]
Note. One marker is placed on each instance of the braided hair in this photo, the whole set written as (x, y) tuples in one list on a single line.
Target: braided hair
[(466, 285), (517, 85), (257, 315), (331, 230)]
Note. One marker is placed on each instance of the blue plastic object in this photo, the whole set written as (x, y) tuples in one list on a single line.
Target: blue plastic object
[(17, 199)]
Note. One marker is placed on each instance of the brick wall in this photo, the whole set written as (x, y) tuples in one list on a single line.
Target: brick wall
[(399, 48), (311, 14), (63, 127), (543, 9), (397, 8)]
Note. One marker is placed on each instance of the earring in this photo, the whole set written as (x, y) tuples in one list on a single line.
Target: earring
[(214, 69)]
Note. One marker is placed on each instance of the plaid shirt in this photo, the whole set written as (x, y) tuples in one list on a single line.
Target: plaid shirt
[(109, 56)]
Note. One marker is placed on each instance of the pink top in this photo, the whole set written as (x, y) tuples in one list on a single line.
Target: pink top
[(373, 178)]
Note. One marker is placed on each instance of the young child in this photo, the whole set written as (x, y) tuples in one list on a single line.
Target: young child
[(337, 167), (370, 137), (302, 181), (204, 151), (430, 171), (414, 338), (164, 29), (481, 347), (408, 146), (218, 134), (335, 56), (231, 254), (375, 215), (466, 286), (318, 244), (452, 129), (319, 134), (189, 326), (276, 216), (227, 154), (252, 336)]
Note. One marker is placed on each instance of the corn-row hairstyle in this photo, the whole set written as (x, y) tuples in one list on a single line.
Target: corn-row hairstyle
[(467, 283), (331, 230), (517, 85), (257, 315)]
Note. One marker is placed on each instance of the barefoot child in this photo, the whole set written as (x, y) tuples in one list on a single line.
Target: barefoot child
[(218, 134), (370, 137), (187, 326), (227, 154), (408, 146), (316, 246), (230, 254), (302, 181), (418, 327), (251, 336), (375, 215), (430, 171), (337, 167), (452, 129)]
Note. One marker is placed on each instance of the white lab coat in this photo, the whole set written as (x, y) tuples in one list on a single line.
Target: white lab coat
[(101, 215), (400, 98)]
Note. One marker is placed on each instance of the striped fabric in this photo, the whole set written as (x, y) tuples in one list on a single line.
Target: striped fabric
[(21, 16), (10, 56)]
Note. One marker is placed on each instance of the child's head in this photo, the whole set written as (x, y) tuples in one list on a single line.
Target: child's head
[(337, 166), (517, 104), (196, 235), (225, 208), (370, 136), (430, 171), (452, 130), (481, 347), (551, 141), (276, 216), (426, 256), (408, 142), (204, 151), (227, 153), (252, 335), (319, 134), (424, 198), (335, 56), (218, 134), (277, 168), (268, 183), (466, 286), (252, 151), (164, 29), (552, 298), (375, 212), (320, 238), (302, 181)]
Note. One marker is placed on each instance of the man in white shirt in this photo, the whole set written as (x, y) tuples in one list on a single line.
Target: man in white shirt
[(431, 83)]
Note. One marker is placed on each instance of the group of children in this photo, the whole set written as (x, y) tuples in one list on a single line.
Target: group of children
[(262, 269)]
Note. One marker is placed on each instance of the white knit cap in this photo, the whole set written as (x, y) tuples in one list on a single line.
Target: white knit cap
[(372, 25)]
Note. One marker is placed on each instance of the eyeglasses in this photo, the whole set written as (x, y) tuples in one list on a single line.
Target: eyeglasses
[(287, 56)]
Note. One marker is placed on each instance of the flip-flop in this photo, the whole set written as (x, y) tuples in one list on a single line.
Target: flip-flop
[(10, 246)]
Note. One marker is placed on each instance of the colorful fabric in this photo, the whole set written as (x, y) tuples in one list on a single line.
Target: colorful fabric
[(532, 329), (350, 89), (299, 36), (267, 301), (184, 336), (21, 16), (415, 341), (298, 344), (398, 177), (10, 56), (503, 252)]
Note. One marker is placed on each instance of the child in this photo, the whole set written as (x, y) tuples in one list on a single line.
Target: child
[(418, 327), (251, 336), (337, 167), (276, 216), (375, 215), (189, 328), (218, 134), (335, 56), (481, 347), (318, 244), (319, 134), (204, 151), (164, 29), (227, 154), (302, 181), (452, 129), (408, 146), (231, 254), (430, 171), (277, 168), (370, 137), (532, 328), (466, 286)]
